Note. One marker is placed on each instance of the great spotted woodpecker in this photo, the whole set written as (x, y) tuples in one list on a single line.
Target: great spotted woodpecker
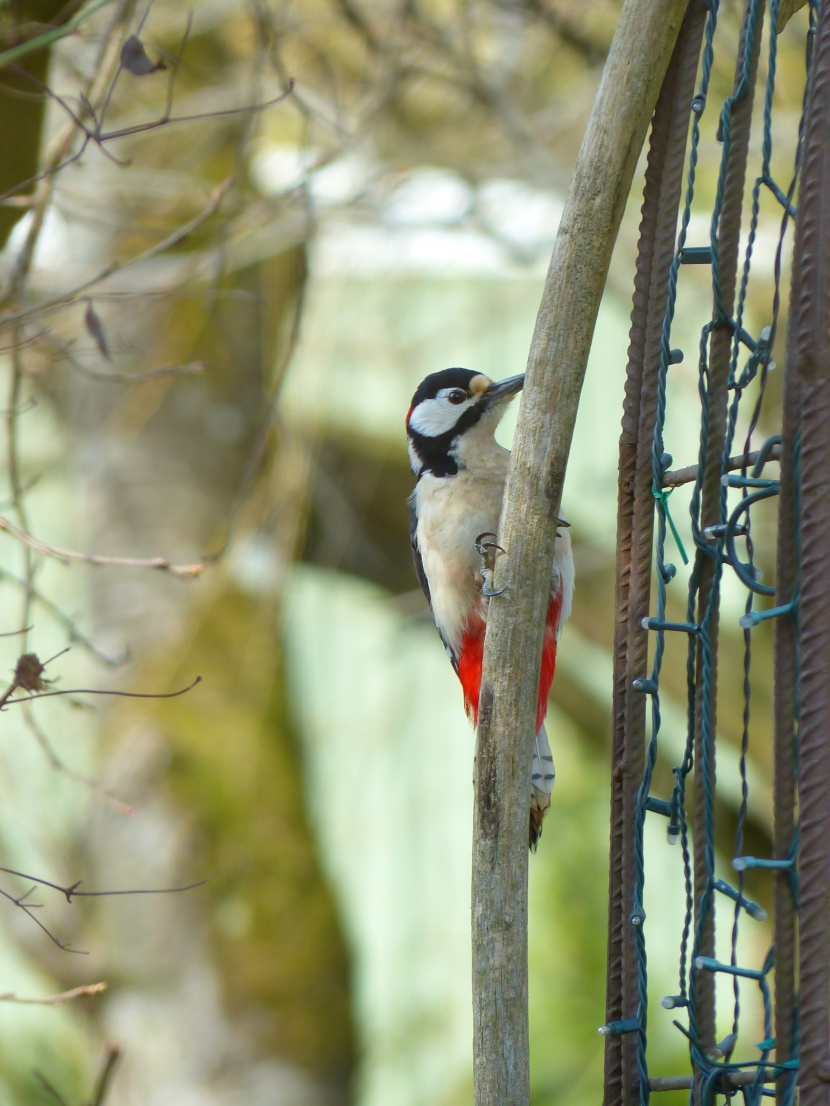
[(455, 509)]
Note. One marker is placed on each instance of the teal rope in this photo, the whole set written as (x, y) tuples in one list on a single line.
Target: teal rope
[(720, 547), (662, 498)]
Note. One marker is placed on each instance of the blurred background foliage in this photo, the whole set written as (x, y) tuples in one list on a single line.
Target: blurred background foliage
[(230, 256)]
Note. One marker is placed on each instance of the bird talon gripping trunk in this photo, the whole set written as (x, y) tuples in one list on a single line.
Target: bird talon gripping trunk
[(456, 505)]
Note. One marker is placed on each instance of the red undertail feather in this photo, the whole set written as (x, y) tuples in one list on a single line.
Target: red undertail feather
[(548, 657), (471, 655)]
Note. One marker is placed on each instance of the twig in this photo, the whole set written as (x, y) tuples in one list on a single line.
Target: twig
[(61, 350), (110, 1060), (27, 405), (15, 476), (163, 121), (53, 1091), (675, 477), (71, 892), (174, 70), (75, 635), (66, 555), (28, 676), (28, 910), (56, 156), (188, 368), (59, 999), (256, 454), (106, 794), (6, 702), (174, 239)]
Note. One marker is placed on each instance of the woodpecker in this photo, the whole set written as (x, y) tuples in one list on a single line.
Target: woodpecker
[(454, 517)]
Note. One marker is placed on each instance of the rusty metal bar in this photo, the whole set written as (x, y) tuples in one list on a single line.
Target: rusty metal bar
[(810, 330), (720, 348), (785, 677), (658, 228)]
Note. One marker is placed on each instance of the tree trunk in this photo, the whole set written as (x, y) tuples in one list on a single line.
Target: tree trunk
[(558, 356)]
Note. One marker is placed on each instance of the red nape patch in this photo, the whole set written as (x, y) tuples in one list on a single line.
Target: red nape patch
[(409, 416)]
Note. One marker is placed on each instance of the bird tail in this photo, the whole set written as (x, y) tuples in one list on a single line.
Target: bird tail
[(542, 776)]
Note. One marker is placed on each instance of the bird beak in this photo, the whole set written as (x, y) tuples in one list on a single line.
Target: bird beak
[(504, 389)]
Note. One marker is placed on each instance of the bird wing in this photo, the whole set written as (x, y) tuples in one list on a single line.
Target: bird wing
[(416, 552), (421, 574)]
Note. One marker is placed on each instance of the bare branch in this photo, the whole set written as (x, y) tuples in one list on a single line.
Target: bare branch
[(6, 702), (172, 240), (15, 633), (66, 555), (22, 409), (250, 109), (105, 794), (29, 911), (110, 1060), (674, 478), (187, 368), (71, 892), (174, 69), (53, 1091), (56, 1000), (75, 635)]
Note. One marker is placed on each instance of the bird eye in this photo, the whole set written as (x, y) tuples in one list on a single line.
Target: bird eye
[(457, 396)]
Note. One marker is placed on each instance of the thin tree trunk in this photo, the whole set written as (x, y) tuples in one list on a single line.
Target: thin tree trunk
[(633, 75)]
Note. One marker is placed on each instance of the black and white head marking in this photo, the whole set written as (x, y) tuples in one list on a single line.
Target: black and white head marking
[(444, 406)]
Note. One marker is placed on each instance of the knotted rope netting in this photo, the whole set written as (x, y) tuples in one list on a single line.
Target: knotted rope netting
[(743, 461)]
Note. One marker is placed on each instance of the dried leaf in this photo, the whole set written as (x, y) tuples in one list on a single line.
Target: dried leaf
[(96, 329), (28, 674), (136, 59)]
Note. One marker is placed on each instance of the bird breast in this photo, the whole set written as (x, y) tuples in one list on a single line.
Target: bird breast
[(452, 512)]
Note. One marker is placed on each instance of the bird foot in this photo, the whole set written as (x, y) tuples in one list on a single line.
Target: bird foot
[(489, 551)]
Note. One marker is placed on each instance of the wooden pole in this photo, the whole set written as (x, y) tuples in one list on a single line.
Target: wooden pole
[(633, 74)]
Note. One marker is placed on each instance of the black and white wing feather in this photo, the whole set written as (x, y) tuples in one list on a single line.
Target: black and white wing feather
[(421, 574), (416, 552)]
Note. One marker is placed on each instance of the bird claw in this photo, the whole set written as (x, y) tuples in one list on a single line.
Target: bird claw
[(489, 551), (488, 591)]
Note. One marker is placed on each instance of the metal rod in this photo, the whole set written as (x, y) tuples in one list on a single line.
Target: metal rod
[(635, 516), (724, 279), (809, 321)]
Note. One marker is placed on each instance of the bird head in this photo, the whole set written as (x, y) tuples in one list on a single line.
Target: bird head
[(448, 405)]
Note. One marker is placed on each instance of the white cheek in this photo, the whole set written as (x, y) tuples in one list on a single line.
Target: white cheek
[(433, 417)]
